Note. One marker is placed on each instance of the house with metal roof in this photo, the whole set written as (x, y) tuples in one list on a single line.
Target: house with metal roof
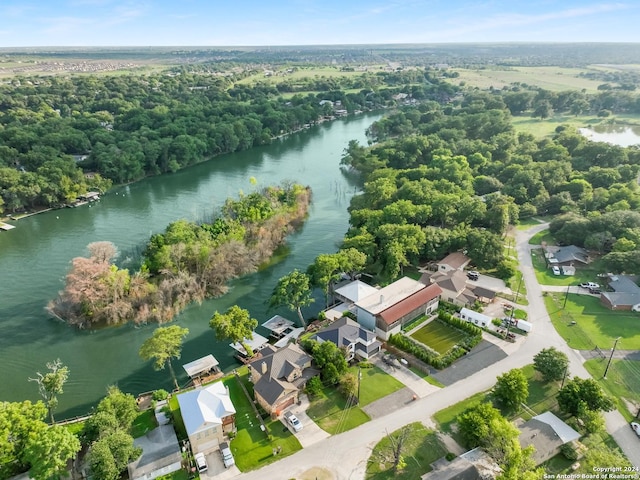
[(385, 311), (208, 414), (161, 454), (279, 375), (547, 433), (347, 334)]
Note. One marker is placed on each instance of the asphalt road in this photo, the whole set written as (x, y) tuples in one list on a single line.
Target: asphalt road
[(346, 454)]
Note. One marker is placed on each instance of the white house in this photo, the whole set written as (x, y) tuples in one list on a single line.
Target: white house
[(478, 319), (208, 415)]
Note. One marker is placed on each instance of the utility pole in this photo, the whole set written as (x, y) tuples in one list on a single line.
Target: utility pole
[(610, 358), (566, 295), (566, 369), (359, 378), (519, 285)]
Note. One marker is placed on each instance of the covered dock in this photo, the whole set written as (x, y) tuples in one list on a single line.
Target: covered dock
[(279, 326), (257, 343), (203, 369)]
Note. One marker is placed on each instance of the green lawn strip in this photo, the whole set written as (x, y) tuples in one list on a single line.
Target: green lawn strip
[(438, 336), (330, 411), (144, 422), (420, 448), (178, 423), (414, 323), (412, 272), (426, 377), (181, 474), (75, 428), (527, 223), (375, 384), (543, 236), (595, 325), (622, 383)]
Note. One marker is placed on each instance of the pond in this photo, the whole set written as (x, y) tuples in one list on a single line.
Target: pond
[(622, 135)]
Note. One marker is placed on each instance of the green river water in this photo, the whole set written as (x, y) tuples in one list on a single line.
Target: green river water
[(34, 258)]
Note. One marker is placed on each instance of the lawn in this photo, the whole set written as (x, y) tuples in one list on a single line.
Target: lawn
[(375, 384), (594, 325), (547, 127), (622, 383), (420, 448), (144, 422), (330, 411), (527, 223), (251, 447), (542, 394), (439, 336), (543, 236), (426, 377)]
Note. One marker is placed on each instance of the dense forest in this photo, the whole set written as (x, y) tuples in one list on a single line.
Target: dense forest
[(186, 263), (452, 178), (60, 137)]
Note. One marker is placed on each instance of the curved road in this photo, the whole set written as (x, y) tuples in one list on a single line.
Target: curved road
[(346, 454)]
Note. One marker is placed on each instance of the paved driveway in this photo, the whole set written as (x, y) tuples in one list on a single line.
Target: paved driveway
[(217, 469), (311, 433)]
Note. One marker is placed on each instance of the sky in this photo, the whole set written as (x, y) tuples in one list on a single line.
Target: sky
[(48, 23)]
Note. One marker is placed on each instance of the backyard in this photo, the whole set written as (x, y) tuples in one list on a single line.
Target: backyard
[(439, 336), (584, 323), (420, 448)]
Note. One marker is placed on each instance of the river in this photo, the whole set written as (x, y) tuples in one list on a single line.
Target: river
[(35, 256)]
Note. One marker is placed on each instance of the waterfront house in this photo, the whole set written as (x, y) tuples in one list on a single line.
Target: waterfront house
[(357, 341)]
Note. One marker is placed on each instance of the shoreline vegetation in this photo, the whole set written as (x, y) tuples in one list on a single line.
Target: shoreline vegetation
[(188, 262)]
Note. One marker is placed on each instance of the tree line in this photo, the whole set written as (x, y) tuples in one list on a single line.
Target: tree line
[(132, 126), (186, 263), (443, 179)]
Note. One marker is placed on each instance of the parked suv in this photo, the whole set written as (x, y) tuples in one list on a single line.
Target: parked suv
[(227, 456), (293, 421), (473, 275), (590, 285), (636, 428)]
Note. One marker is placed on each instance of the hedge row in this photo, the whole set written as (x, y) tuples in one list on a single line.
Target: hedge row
[(430, 356)]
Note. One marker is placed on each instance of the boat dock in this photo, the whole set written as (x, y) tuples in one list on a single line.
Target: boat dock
[(6, 227)]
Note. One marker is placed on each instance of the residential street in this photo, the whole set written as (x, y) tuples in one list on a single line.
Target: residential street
[(346, 455)]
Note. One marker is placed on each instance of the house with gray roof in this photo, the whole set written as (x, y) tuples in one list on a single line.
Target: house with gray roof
[(279, 375), (347, 334), (625, 294), (475, 464), (567, 255), (547, 433), (160, 454)]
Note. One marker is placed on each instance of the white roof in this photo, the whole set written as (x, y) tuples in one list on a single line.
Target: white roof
[(356, 291), (200, 365), (475, 315), (256, 343), (390, 295), (205, 407), (564, 431), (277, 324), (295, 333)]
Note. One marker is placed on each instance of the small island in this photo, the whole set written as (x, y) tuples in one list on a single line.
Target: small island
[(188, 262)]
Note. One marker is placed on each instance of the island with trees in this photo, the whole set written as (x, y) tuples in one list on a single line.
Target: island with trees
[(186, 263)]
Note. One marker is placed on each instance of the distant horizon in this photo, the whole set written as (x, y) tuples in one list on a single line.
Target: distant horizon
[(253, 23)]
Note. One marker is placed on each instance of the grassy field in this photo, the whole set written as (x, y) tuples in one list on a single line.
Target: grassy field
[(375, 384), (622, 383), (594, 325), (421, 448), (546, 128), (527, 223), (439, 336), (446, 418), (330, 411), (549, 78)]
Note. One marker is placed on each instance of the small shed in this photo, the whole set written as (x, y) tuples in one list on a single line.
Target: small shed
[(479, 319), (202, 366), (278, 326)]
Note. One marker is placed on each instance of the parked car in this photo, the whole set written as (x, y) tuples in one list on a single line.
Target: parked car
[(201, 462), (473, 275), (293, 421), (635, 427), (556, 270), (227, 456), (589, 285)]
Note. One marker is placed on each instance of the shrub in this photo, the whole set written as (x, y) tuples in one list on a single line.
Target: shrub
[(365, 364), (450, 456), (160, 394), (497, 322), (314, 386), (569, 451)]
